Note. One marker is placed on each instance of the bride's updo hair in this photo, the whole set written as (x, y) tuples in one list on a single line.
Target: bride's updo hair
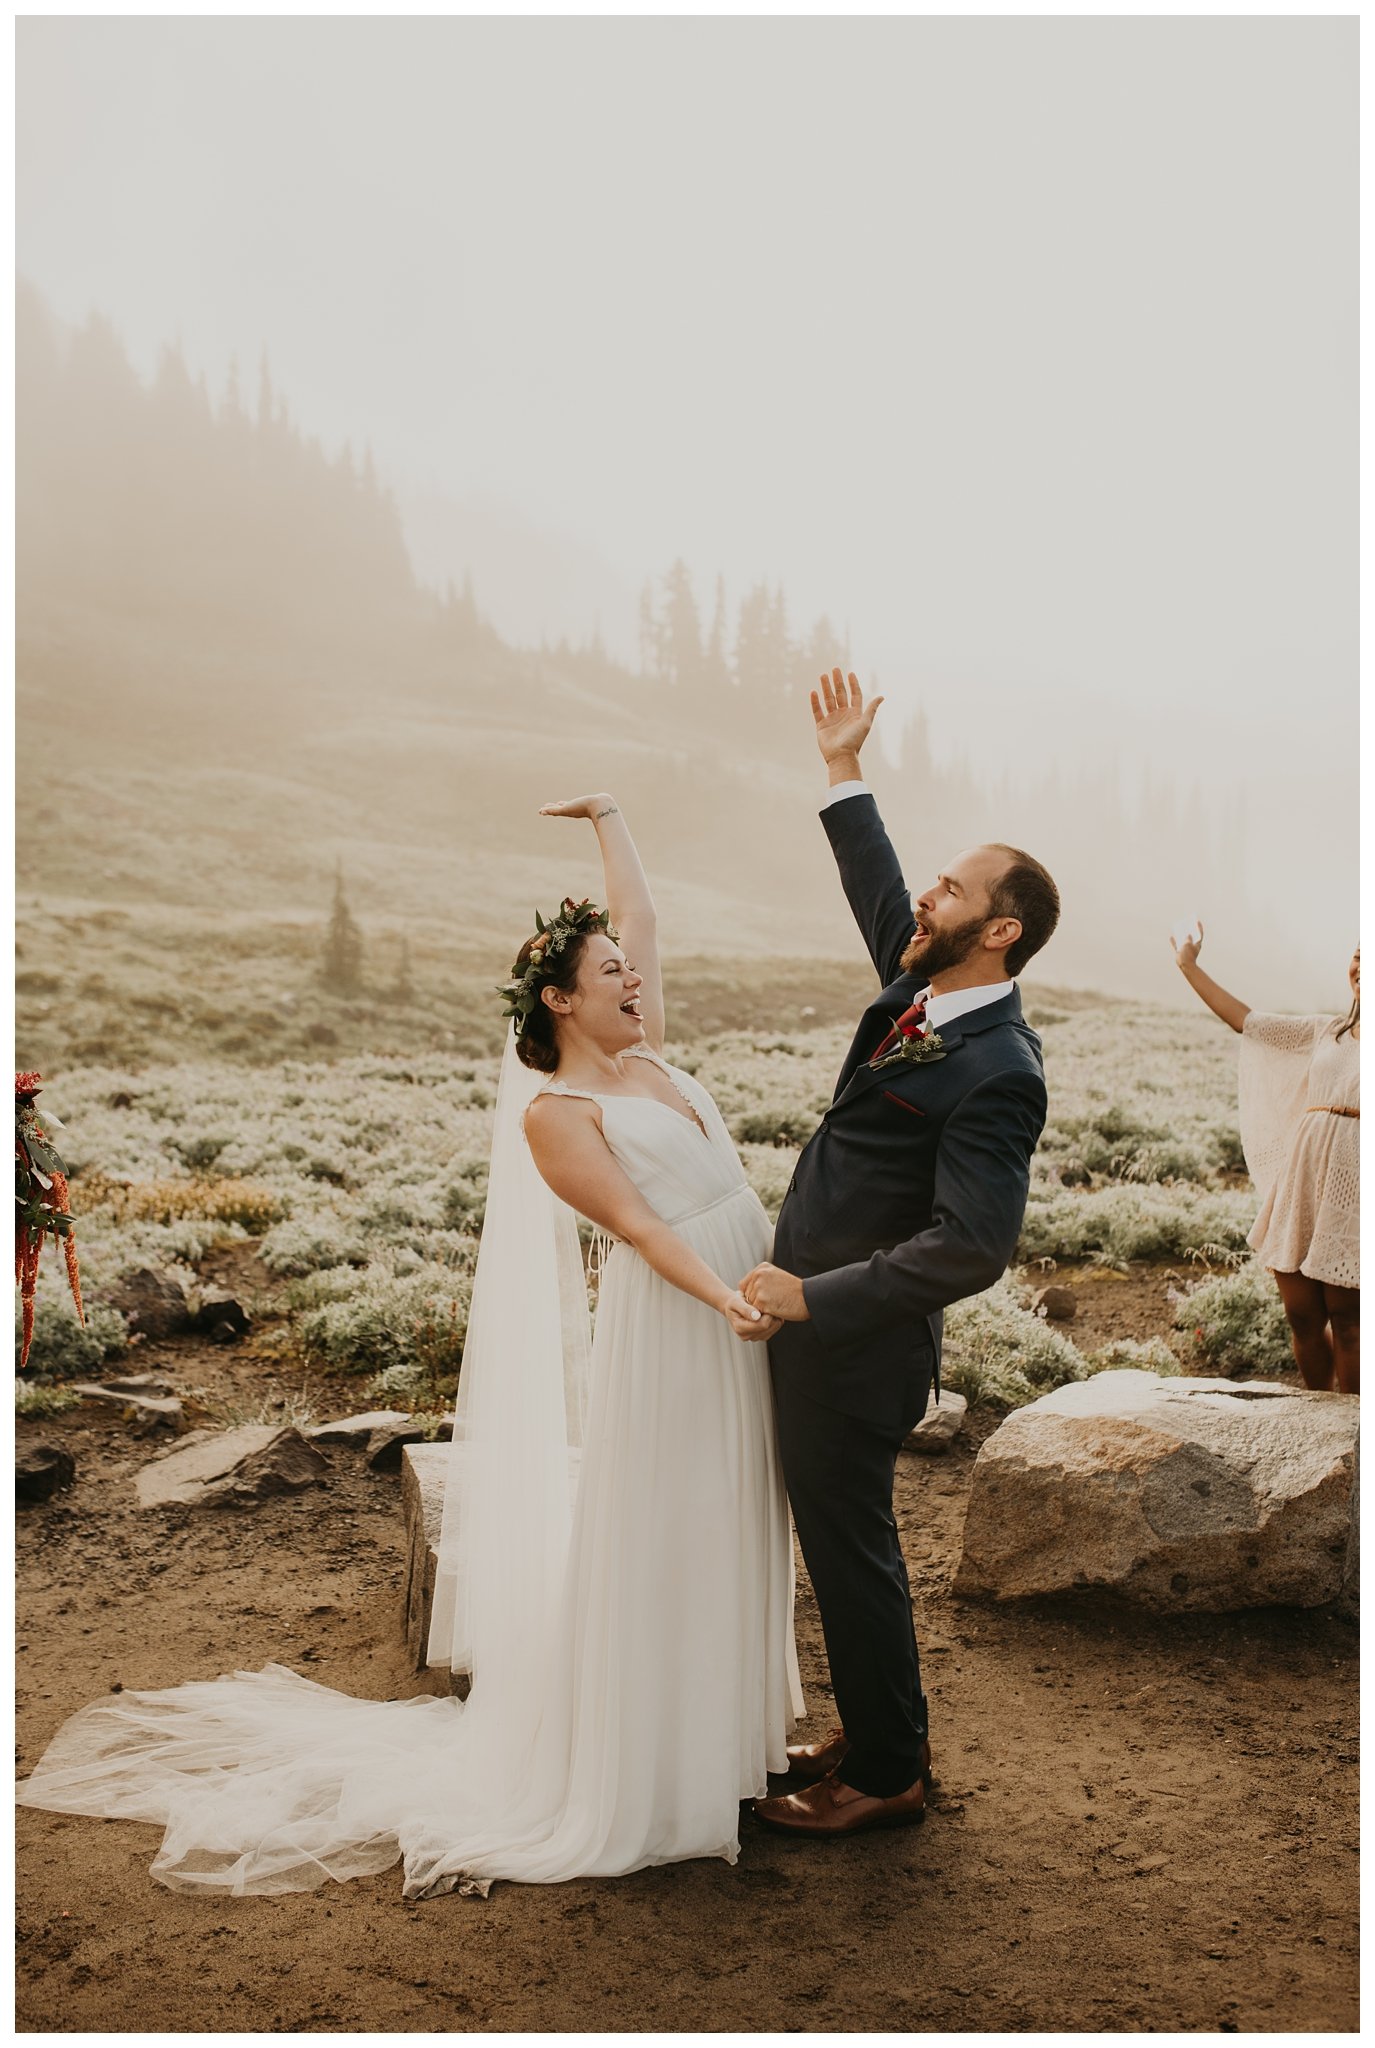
[(550, 958), (536, 1042)]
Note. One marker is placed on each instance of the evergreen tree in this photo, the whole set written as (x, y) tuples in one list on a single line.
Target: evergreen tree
[(717, 666), (342, 970), (681, 634), (752, 641), (651, 656)]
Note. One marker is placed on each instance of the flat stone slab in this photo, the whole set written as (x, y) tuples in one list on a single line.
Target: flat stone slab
[(231, 1466), (940, 1425), (423, 1470), (144, 1412), (352, 1431), (1179, 1495)]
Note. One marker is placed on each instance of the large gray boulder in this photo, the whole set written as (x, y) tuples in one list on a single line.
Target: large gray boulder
[(1350, 1595), (1180, 1495), (230, 1467)]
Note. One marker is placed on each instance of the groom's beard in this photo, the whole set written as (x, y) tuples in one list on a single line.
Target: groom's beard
[(943, 950)]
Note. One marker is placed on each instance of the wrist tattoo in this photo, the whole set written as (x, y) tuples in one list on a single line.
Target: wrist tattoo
[(609, 812)]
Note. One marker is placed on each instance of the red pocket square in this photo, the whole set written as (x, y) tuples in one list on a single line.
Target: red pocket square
[(910, 1107)]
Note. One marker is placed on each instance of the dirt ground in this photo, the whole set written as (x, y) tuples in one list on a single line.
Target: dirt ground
[(1139, 1824)]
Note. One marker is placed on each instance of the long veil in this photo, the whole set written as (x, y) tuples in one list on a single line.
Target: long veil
[(522, 1397)]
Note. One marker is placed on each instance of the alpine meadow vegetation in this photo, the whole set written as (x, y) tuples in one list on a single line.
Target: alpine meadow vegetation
[(361, 1182)]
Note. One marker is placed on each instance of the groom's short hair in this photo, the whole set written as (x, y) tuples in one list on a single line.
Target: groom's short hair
[(1025, 891)]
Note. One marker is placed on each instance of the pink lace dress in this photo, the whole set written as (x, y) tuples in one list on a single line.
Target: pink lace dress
[(1300, 1101)]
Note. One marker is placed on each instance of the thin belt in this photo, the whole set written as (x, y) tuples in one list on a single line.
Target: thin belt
[(1329, 1109)]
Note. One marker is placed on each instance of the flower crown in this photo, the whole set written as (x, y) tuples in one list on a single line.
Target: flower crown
[(574, 920)]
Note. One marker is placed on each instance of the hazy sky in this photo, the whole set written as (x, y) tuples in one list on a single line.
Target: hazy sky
[(1025, 346)]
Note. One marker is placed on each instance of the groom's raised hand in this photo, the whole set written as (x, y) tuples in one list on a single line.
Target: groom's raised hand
[(843, 721)]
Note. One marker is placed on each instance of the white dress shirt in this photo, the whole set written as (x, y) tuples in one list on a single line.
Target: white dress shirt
[(952, 1003)]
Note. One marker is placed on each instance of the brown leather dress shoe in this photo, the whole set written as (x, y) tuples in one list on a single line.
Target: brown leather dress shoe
[(808, 1762), (831, 1807)]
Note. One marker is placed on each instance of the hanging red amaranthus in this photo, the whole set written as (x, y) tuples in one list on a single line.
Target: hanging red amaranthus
[(42, 1204)]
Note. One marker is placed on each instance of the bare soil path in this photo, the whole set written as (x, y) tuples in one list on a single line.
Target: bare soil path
[(1139, 1825)]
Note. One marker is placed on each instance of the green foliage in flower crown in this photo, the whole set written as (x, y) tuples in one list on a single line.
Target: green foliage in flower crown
[(521, 992)]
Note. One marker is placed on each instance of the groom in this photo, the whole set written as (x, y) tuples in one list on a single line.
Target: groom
[(908, 1197)]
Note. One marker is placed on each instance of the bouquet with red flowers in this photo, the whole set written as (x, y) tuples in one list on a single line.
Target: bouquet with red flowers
[(41, 1204)]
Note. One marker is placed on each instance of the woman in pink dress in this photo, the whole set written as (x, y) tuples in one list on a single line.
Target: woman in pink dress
[(1300, 1104)]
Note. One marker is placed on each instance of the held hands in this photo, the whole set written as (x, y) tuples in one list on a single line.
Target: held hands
[(593, 807), (750, 1323), (777, 1293), (1186, 950), (842, 718)]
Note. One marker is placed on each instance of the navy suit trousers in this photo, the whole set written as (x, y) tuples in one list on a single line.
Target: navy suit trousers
[(839, 1472)]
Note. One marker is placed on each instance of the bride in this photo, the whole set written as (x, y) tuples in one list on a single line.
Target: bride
[(615, 1564)]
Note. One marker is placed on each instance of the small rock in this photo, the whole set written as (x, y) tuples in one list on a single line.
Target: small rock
[(1056, 1304), (40, 1469), (232, 1465), (353, 1430), (225, 1333), (138, 1383), (940, 1425), (386, 1443), (216, 1307), (152, 1300), (121, 1099), (143, 1412)]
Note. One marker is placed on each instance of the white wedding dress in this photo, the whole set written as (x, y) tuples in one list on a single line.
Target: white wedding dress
[(621, 1729)]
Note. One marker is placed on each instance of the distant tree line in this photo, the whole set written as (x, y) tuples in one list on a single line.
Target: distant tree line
[(176, 518), (168, 506), (757, 653)]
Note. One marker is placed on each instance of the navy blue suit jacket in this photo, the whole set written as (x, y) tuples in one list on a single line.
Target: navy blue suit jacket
[(910, 1194)]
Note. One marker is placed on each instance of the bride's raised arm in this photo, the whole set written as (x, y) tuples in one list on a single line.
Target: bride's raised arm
[(627, 899)]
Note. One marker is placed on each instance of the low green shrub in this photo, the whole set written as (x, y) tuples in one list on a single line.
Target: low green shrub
[(62, 1349), (392, 1319), (1237, 1321), (1000, 1354), (41, 1397), (1125, 1353), (779, 1123), (769, 1168), (1115, 1224), (243, 1202), (1225, 1140), (310, 1244)]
